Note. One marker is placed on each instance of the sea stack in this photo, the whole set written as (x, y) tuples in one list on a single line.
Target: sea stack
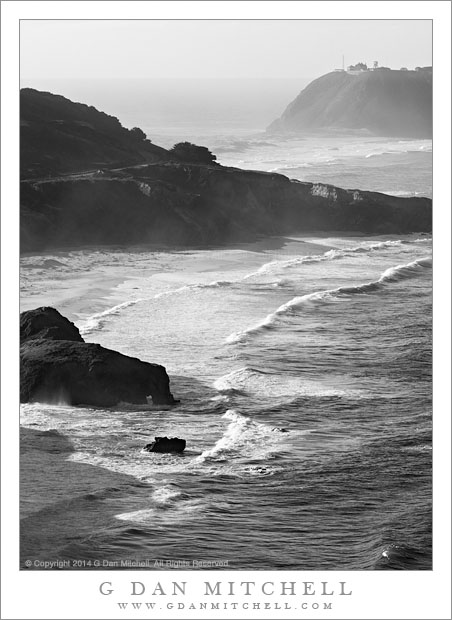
[(58, 366)]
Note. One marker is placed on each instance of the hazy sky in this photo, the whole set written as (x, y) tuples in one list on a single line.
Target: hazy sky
[(216, 48)]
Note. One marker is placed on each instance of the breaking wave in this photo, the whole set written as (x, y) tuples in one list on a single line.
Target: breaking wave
[(249, 381), (393, 274), (326, 256), (243, 439), (193, 287), (97, 321)]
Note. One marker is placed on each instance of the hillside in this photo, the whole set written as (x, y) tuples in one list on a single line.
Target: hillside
[(383, 102), (60, 136), (171, 199)]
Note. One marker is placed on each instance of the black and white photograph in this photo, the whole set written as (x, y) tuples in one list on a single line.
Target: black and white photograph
[(225, 300)]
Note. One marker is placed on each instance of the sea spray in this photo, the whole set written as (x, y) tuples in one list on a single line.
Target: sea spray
[(243, 439)]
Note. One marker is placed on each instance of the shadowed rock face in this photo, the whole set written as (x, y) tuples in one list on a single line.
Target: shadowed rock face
[(165, 444), (71, 371), (47, 323)]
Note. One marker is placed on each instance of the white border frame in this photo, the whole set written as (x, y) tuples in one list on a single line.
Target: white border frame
[(60, 594)]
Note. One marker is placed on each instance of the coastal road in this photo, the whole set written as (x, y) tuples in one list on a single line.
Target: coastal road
[(83, 174)]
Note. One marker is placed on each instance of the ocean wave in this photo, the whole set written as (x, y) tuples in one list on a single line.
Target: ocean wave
[(379, 153), (243, 439), (167, 512), (402, 193), (165, 494), (398, 151), (289, 167), (335, 254), (192, 287), (235, 381), (423, 240), (393, 274), (97, 321), (253, 382)]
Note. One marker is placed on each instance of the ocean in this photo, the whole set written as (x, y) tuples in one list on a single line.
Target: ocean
[(303, 369)]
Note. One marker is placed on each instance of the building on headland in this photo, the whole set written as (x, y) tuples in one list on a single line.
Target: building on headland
[(357, 69), (361, 67)]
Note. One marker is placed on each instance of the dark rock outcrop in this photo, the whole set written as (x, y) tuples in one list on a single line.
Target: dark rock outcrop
[(384, 102), (47, 323), (73, 372), (165, 444)]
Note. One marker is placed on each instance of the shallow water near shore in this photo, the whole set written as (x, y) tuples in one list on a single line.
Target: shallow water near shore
[(303, 368)]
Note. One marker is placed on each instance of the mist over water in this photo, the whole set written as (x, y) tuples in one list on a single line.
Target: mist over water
[(182, 107), (303, 366), (308, 434), (230, 117)]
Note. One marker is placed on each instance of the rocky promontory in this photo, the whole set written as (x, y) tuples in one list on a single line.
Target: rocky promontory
[(176, 197), (381, 101), (58, 366)]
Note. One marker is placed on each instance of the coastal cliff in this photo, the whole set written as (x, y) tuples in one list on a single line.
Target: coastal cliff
[(156, 198), (197, 205), (383, 102)]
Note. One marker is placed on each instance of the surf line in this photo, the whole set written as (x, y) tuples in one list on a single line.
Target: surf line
[(393, 274)]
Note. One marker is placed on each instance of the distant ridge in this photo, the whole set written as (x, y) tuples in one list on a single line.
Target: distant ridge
[(383, 102)]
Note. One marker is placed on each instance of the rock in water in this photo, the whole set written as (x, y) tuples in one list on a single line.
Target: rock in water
[(57, 366), (47, 323), (164, 444)]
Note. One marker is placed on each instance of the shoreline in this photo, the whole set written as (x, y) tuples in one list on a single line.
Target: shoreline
[(83, 292), (258, 240), (80, 295)]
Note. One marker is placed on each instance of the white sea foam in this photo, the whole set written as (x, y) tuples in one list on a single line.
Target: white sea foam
[(165, 494), (243, 439), (334, 254), (97, 321), (393, 274), (166, 512), (421, 240), (192, 287), (253, 382), (289, 167)]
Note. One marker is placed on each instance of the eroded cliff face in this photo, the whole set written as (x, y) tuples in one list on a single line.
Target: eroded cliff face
[(183, 204)]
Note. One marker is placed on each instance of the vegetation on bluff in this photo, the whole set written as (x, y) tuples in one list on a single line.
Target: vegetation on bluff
[(192, 153)]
